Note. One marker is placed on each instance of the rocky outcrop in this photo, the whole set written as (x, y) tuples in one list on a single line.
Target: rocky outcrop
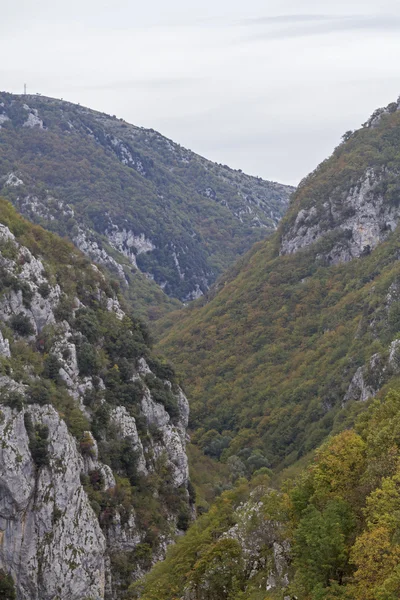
[(66, 505), (369, 379), (173, 437), (91, 248), (33, 119), (51, 540), (361, 218), (264, 547), (4, 346), (255, 548), (126, 427), (36, 298), (129, 244)]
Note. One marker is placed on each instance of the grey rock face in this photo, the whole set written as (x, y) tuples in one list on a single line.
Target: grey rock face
[(92, 249), (4, 347), (369, 379), (128, 243), (252, 539), (362, 215), (173, 437), (29, 271), (359, 389), (126, 426), (51, 541)]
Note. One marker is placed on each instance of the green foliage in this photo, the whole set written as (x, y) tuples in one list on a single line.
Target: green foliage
[(321, 545), (39, 392), (88, 359), (51, 368), (86, 322), (22, 325), (14, 400), (44, 289), (340, 517), (304, 329), (210, 566), (38, 441), (7, 588)]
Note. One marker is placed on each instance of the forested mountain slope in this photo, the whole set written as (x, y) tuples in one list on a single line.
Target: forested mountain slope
[(306, 326), (130, 198), (94, 479), (293, 343), (332, 534)]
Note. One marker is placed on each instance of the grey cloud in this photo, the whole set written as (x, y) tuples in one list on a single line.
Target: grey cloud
[(303, 27), (277, 19)]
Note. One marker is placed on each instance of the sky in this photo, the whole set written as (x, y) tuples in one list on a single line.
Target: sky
[(266, 86)]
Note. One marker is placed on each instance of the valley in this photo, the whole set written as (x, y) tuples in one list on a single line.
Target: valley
[(199, 369)]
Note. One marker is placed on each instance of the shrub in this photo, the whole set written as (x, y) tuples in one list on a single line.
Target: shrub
[(44, 289), (63, 311), (88, 359), (52, 367), (38, 441), (14, 400), (27, 293), (39, 392), (21, 324), (7, 588), (86, 322), (87, 445)]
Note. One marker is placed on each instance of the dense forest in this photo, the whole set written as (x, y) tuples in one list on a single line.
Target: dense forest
[(272, 355), (331, 533)]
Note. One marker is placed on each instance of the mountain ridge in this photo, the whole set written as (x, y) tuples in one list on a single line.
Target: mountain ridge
[(129, 197)]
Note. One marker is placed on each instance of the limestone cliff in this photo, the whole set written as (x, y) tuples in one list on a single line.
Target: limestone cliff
[(93, 470), (351, 201)]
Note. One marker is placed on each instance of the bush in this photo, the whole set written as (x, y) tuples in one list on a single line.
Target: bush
[(183, 520), (44, 289), (63, 311), (39, 393), (14, 400), (21, 324), (27, 293), (52, 367), (87, 445), (7, 588), (86, 322), (88, 359), (38, 441)]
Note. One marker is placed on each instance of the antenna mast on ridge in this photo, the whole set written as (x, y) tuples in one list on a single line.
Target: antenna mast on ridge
[(24, 89)]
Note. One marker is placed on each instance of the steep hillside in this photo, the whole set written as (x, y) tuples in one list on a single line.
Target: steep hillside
[(333, 534), (94, 477), (130, 198), (306, 327)]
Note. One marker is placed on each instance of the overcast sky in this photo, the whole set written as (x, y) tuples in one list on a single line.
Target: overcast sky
[(268, 86)]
